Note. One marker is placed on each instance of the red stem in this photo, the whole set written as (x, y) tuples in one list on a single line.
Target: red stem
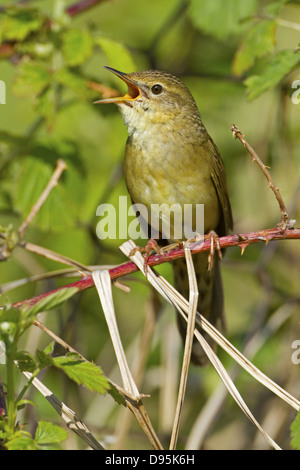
[(241, 240), (81, 6)]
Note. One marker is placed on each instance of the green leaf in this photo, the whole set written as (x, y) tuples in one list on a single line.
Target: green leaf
[(116, 395), (82, 372), (21, 440), (74, 82), (26, 361), (258, 41), (274, 7), (19, 23), (31, 79), (9, 326), (22, 403), (117, 54), (51, 301), (77, 46), (31, 174), (46, 105), (295, 432), (221, 18), (44, 360), (281, 64), (48, 434)]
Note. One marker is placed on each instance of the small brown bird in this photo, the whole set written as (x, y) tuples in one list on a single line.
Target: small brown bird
[(171, 159)]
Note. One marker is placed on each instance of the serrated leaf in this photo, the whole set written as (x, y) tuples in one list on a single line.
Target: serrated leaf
[(258, 41), (274, 7), (19, 23), (44, 360), (281, 64), (31, 176), (26, 361), (221, 18), (77, 46), (31, 79), (117, 54), (22, 403), (21, 440), (46, 105), (295, 432), (48, 433), (82, 372), (74, 82), (51, 301), (49, 348), (116, 395)]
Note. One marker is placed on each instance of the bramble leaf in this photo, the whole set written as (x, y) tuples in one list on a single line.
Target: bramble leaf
[(281, 64), (117, 54), (82, 372), (258, 41), (19, 23), (31, 79), (77, 46), (221, 18), (49, 434)]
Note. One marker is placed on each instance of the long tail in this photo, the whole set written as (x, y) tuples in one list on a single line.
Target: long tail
[(210, 302)]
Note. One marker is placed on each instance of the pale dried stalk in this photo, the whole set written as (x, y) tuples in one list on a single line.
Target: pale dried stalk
[(69, 417), (193, 302), (172, 296), (233, 352), (214, 403), (138, 368), (103, 285), (39, 250)]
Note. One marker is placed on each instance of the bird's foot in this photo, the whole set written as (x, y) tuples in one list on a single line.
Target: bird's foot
[(214, 245), (151, 245)]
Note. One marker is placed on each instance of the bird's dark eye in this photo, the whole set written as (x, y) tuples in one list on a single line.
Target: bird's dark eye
[(157, 89)]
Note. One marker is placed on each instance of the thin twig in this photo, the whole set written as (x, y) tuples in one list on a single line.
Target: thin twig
[(33, 248), (285, 221), (61, 166)]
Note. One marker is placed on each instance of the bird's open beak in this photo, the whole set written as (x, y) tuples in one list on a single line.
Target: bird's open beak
[(132, 94)]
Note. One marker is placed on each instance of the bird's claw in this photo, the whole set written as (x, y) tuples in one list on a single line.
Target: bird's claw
[(151, 245), (214, 245)]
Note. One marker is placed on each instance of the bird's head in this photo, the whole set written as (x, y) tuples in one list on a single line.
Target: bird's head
[(152, 97)]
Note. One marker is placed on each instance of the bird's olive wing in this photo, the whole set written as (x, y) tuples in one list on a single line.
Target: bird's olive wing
[(219, 179)]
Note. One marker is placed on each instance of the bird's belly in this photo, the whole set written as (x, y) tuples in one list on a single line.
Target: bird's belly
[(171, 192)]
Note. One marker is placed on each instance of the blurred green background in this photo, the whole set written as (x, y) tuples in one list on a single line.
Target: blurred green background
[(239, 60)]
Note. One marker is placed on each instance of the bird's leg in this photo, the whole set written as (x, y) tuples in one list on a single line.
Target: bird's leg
[(151, 245), (214, 245)]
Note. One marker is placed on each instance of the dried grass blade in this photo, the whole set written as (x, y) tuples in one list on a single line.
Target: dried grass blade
[(233, 352), (193, 302), (171, 295), (103, 285), (70, 418)]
